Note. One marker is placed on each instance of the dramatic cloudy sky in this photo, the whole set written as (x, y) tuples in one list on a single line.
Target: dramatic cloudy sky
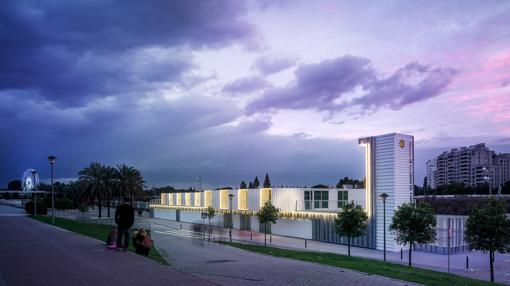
[(227, 90)]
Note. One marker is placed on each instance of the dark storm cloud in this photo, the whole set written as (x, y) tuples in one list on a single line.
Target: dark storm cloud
[(270, 65), (246, 85), (67, 50), (322, 86)]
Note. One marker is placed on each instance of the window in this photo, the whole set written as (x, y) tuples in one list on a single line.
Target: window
[(242, 199), (197, 199), (308, 200), (164, 200), (320, 199), (187, 199), (224, 199), (265, 196), (171, 199), (208, 199), (343, 198), (178, 202)]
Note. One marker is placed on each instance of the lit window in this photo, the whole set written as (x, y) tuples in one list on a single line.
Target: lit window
[(265, 196), (208, 199), (197, 199), (242, 197), (171, 199), (224, 199), (178, 202), (187, 199)]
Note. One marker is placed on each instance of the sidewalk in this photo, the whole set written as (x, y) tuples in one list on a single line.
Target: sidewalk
[(478, 262), (34, 253)]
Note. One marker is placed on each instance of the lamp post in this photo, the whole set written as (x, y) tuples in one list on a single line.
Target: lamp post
[(384, 196), (52, 160), (230, 196), (34, 173)]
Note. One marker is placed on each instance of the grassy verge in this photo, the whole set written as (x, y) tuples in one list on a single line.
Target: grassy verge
[(97, 231), (397, 271)]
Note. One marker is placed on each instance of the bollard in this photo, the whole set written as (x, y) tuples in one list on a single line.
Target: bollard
[(181, 225), (251, 235), (401, 254), (305, 243), (467, 262), (270, 238)]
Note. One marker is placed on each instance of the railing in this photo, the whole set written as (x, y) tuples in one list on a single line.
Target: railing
[(320, 205)]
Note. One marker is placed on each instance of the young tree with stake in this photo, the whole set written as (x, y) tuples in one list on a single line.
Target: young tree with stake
[(267, 214), (414, 224), (488, 230), (351, 222)]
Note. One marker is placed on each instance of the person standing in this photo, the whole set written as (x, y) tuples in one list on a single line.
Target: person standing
[(124, 217)]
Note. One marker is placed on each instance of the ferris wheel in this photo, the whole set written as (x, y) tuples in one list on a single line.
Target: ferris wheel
[(30, 180)]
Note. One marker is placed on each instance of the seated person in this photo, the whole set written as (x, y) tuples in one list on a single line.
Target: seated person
[(142, 242), (111, 241)]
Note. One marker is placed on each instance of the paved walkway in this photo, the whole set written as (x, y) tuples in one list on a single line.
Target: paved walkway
[(478, 262), (33, 253), (227, 265)]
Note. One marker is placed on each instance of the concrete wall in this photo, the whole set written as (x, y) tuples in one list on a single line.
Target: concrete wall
[(292, 227), (164, 214)]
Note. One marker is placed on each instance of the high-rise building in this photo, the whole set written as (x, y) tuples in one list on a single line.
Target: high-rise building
[(390, 170), (431, 173), (474, 165)]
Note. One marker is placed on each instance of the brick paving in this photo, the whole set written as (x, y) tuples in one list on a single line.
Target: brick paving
[(227, 265), (33, 253)]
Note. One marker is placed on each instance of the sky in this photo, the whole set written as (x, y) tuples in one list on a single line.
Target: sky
[(230, 90)]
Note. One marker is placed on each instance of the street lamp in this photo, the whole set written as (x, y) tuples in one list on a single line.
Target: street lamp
[(52, 160), (384, 196), (34, 173), (230, 197)]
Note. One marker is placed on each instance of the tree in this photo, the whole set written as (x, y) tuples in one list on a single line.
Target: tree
[(243, 185), (348, 181), (256, 182), (14, 185), (92, 179), (129, 182), (414, 224), (488, 229), (109, 181), (267, 214), (505, 189), (267, 183), (211, 212), (250, 185), (351, 222)]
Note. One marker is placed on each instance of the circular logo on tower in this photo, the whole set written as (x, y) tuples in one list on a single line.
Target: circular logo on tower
[(402, 143)]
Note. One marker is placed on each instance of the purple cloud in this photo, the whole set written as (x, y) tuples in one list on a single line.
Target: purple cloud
[(246, 85), (322, 86), (68, 57), (272, 65)]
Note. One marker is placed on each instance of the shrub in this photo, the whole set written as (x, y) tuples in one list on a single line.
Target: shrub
[(41, 208), (64, 204)]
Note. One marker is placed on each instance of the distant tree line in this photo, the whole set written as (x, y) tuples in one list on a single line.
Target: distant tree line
[(458, 188)]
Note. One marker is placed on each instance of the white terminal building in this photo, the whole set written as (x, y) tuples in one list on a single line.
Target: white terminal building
[(309, 213)]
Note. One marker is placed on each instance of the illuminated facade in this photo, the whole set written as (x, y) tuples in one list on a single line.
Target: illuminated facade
[(389, 169), (309, 213)]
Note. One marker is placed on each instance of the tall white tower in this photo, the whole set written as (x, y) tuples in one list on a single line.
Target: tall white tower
[(389, 169)]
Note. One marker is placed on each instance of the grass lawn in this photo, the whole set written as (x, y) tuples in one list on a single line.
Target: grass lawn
[(397, 271), (98, 231)]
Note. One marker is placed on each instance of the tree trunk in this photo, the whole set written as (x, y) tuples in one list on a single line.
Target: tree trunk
[(265, 233), (99, 204), (491, 256), (349, 245), (209, 230), (108, 202), (410, 250)]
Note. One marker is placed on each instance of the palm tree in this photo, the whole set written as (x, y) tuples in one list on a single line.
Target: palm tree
[(129, 181), (92, 178), (109, 181)]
